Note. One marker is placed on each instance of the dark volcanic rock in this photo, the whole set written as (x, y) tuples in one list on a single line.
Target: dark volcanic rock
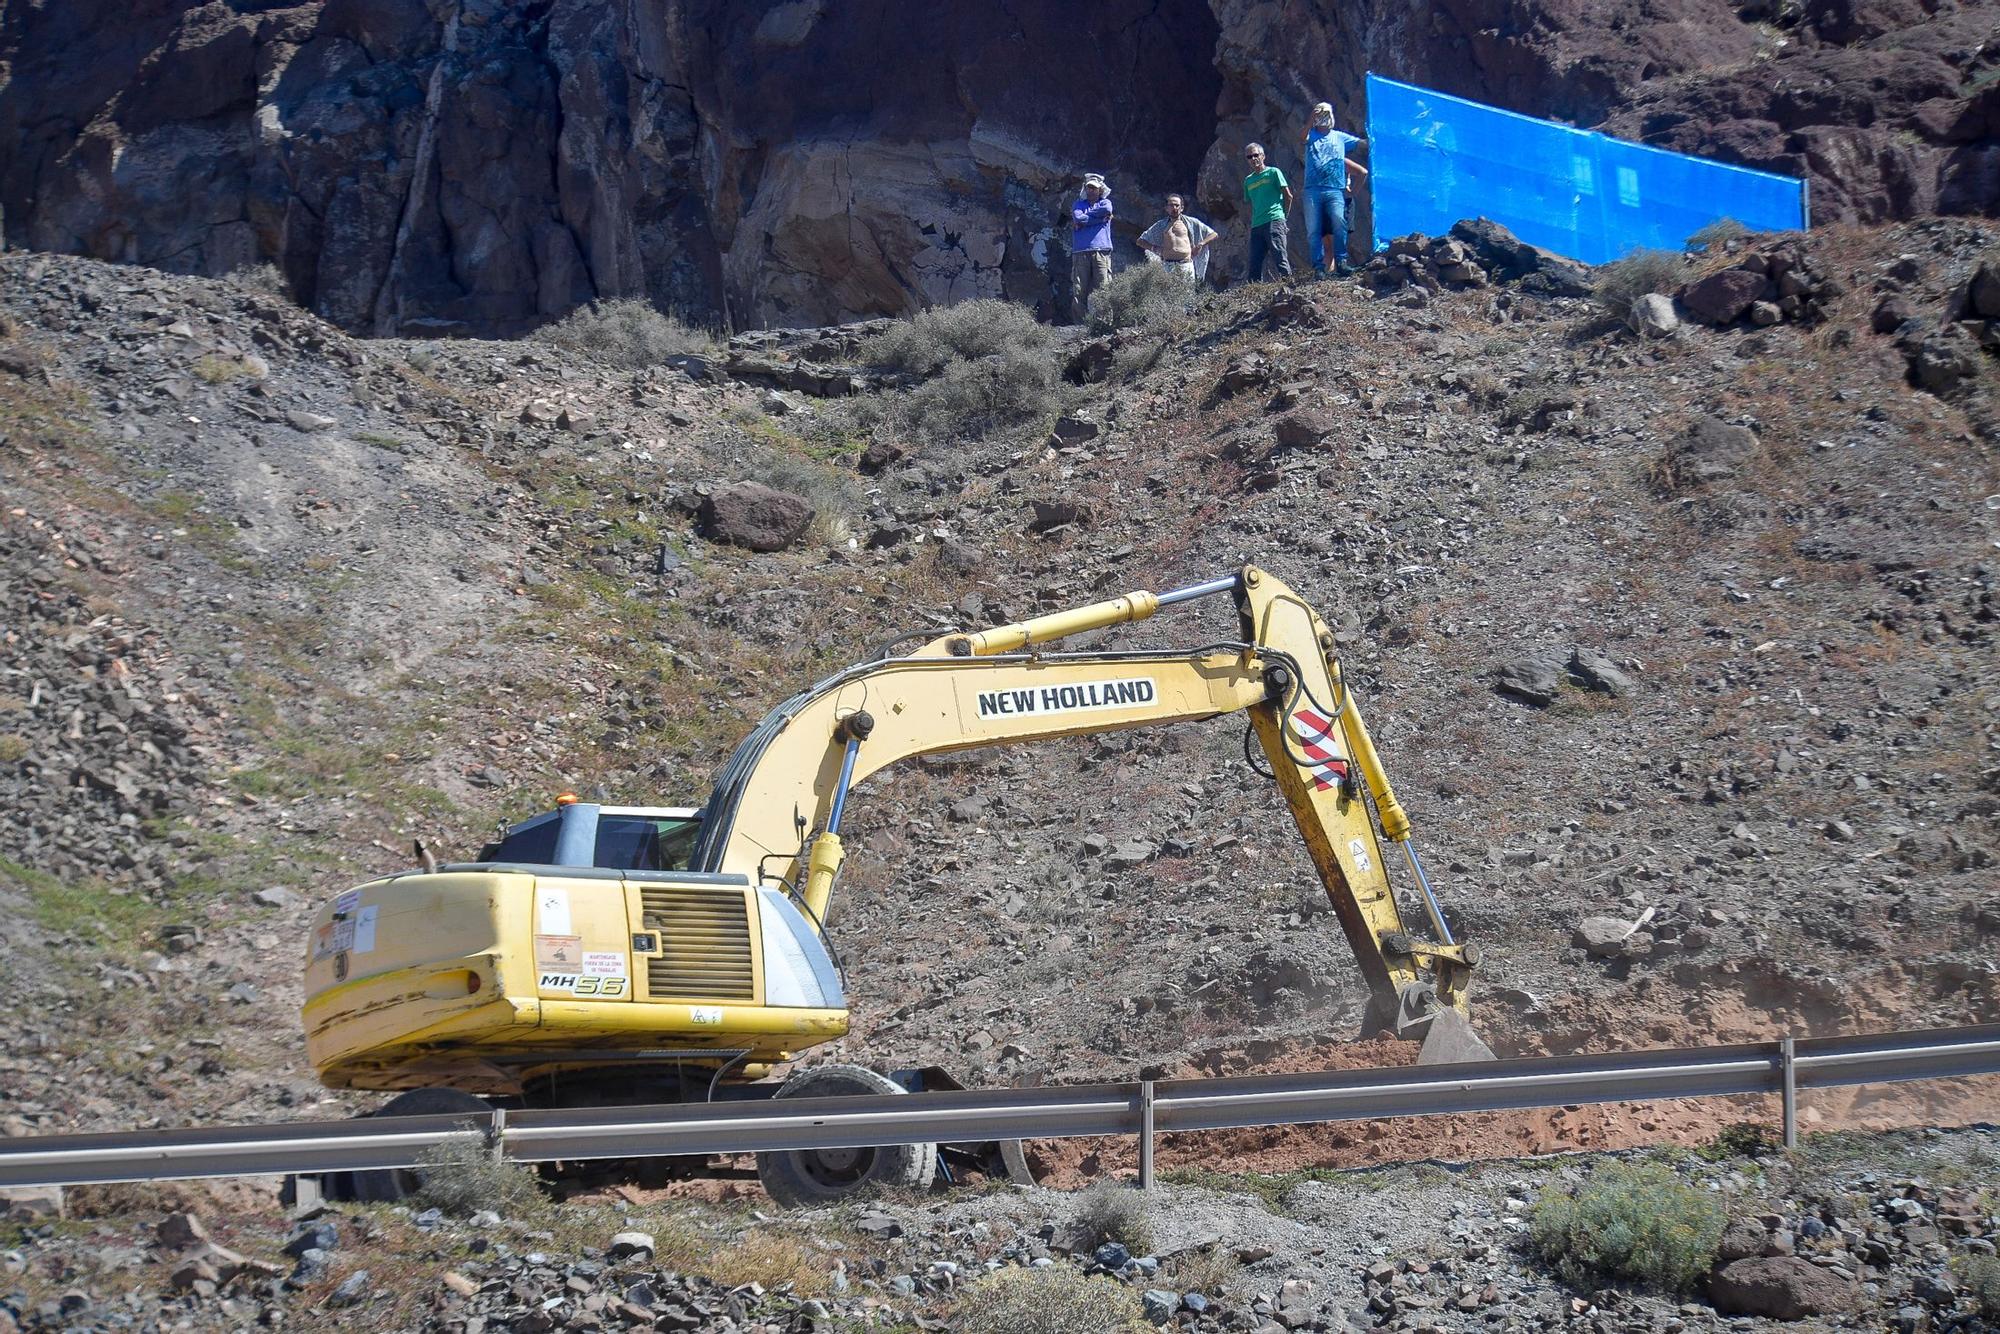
[(752, 515), (1982, 296), (1943, 360), (479, 167), (482, 167), (1723, 298), (1710, 450), (1780, 1287)]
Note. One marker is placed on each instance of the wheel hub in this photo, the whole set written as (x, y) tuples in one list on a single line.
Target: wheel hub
[(837, 1167)]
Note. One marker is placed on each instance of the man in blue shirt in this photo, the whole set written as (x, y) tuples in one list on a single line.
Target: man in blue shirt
[(1327, 168), (1089, 244)]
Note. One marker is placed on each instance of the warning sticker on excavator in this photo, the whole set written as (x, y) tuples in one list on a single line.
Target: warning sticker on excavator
[(1124, 693), (558, 953), (603, 963), (1316, 739)]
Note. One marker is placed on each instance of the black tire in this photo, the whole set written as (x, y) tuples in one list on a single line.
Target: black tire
[(383, 1185), (803, 1178)]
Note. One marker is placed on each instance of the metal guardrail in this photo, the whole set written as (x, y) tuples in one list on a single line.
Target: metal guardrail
[(1144, 1108)]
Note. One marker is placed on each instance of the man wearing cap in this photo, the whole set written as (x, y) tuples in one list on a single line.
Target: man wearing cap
[(1089, 244), (1327, 166), (1270, 197)]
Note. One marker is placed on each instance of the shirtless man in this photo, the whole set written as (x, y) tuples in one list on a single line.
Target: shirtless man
[(1181, 242)]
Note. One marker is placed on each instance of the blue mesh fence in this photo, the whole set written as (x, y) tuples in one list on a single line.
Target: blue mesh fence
[(1436, 159)]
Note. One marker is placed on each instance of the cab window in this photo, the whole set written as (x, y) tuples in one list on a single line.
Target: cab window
[(642, 843), (530, 845)]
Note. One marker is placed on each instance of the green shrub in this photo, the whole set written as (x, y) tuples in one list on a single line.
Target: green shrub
[(1623, 281), (931, 340), (972, 400), (629, 334), (1629, 1221), (1059, 1299), (988, 368), (461, 1177), (1981, 1276), (1146, 294), (1739, 1139), (1112, 1211), (1718, 234)]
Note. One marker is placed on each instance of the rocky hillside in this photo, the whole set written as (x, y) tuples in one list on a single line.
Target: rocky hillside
[(475, 167), (1679, 648)]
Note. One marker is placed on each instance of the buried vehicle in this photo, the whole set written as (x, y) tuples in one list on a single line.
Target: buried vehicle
[(603, 955)]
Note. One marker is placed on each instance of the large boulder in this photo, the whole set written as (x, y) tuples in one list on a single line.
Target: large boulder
[(1653, 316), (1710, 450), (755, 516), (1724, 297), (1602, 937), (1507, 258), (1982, 295), (1780, 1287), (1530, 680), (1944, 359)]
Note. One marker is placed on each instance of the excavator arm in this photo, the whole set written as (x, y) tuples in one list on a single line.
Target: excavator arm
[(777, 808)]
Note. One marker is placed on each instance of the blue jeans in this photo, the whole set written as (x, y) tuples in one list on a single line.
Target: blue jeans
[(1326, 214)]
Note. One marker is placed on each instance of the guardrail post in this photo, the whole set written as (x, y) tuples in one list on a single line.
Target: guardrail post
[(1790, 1097), (1145, 1134), (498, 1135)]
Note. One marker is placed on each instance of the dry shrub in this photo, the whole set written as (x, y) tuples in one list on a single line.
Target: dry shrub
[(1113, 1211), (214, 369), (833, 494), (1146, 294), (1058, 1299), (1213, 1268), (988, 368), (1718, 234), (1633, 1221), (113, 1199), (629, 334), (931, 340), (266, 278), (461, 1176), (1621, 283), (1981, 1276), (774, 1259)]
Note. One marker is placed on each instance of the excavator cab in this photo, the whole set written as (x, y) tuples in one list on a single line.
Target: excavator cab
[(619, 838)]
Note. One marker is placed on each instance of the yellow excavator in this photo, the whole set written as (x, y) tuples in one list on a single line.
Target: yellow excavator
[(601, 954)]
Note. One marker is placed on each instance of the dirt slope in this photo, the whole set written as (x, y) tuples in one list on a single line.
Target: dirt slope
[(353, 593)]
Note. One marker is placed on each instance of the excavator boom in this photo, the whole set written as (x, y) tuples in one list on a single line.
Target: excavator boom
[(775, 812)]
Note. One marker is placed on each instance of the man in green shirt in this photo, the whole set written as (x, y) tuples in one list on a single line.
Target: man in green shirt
[(1269, 195)]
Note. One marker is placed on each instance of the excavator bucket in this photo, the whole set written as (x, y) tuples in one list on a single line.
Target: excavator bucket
[(1451, 1041)]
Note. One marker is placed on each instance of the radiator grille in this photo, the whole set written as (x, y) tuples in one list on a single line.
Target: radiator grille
[(704, 942)]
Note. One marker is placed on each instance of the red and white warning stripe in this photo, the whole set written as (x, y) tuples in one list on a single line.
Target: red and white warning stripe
[(1316, 736)]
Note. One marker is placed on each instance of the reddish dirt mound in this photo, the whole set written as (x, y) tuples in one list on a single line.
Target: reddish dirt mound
[(1470, 1136)]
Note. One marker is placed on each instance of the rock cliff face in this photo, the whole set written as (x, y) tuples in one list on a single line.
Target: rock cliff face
[(484, 166)]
